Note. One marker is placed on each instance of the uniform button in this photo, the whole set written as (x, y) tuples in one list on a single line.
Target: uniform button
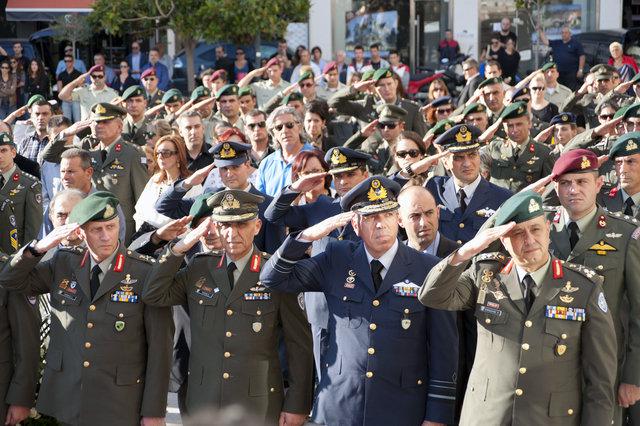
[(200, 302), (137, 380), (369, 374), (376, 302), (86, 364), (372, 326), (599, 267), (570, 411), (87, 345), (99, 181), (63, 303), (120, 315), (89, 325), (528, 324), (419, 381), (227, 354), (344, 298), (515, 168), (519, 392), (225, 375), (563, 335), (406, 311), (510, 179), (371, 351), (525, 346), (258, 312), (459, 241), (228, 334), (487, 320), (272, 390), (229, 312), (522, 370), (92, 307), (461, 225)]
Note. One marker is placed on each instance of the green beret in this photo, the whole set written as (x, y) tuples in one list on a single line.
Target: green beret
[(6, 139), (390, 112), (97, 207), (515, 110), (490, 81), (295, 96), (619, 113), (382, 73), (33, 99), (368, 74), (227, 90), (632, 110), (200, 92), (200, 208), (519, 208), (306, 76), (473, 107), (442, 126), (246, 90), (627, 144), (171, 96), (106, 111), (133, 91), (234, 205), (548, 66)]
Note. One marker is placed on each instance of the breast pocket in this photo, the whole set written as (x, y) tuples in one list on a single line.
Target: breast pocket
[(260, 314), (407, 316), (124, 320), (610, 267), (561, 340), (492, 320), (65, 306), (349, 309), (203, 309), (501, 169)]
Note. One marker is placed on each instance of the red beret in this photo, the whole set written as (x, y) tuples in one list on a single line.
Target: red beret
[(216, 75), (331, 65), (575, 161), (148, 72), (96, 68), (272, 61)]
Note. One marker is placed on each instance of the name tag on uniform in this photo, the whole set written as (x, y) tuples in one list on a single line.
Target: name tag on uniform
[(207, 291), (124, 296), (491, 311), (406, 289), (67, 295), (565, 313)]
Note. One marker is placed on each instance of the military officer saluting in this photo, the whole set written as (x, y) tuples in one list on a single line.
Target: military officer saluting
[(235, 321), (624, 197), (135, 123), (518, 160), (586, 234), (389, 360), (20, 200), (109, 354), (546, 342), (19, 350)]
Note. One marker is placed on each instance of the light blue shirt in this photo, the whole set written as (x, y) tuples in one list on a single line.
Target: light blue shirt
[(433, 247), (274, 173)]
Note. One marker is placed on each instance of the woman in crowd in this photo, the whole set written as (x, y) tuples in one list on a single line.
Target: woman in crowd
[(124, 80), (315, 124), (437, 110), (493, 49), (509, 59), (437, 89), (407, 150), (7, 90), (542, 109), (625, 64), (306, 163), (37, 80), (241, 66), (316, 57), (157, 128), (18, 72)]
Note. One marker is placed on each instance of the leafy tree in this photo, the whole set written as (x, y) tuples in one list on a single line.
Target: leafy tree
[(73, 27)]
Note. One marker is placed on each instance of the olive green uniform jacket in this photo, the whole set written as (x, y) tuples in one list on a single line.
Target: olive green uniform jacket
[(20, 211)]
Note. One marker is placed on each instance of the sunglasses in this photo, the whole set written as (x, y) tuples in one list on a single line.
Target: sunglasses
[(68, 61), (149, 79), (537, 88), (4, 68), (97, 77), (387, 125), (444, 111), (261, 124), (306, 85), (606, 116), (288, 125), (413, 153), (166, 154), (239, 53)]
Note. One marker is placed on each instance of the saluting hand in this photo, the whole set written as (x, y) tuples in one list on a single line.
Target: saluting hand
[(363, 85), (607, 127), (324, 228), (539, 185), (491, 130), (544, 135), (55, 237), (190, 240), (308, 182), (369, 128), (424, 164), (291, 419), (623, 87), (75, 128), (198, 177), (480, 242), (173, 229)]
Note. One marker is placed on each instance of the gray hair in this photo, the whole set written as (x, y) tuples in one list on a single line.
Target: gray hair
[(65, 194), (282, 110), (83, 155)]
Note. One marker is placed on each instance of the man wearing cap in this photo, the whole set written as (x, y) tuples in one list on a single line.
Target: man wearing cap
[(377, 141), (104, 340), (294, 100), (307, 89), (345, 101), (235, 321), (517, 160), (556, 93), (564, 130), (624, 197), (247, 99), (172, 101), (266, 89), (88, 95), (198, 97), (586, 234), (331, 81), (543, 325), (228, 106), (20, 200), (149, 81), (160, 70), (371, 287), (135, 123), (492, 93), (34, 141), (475, 114)]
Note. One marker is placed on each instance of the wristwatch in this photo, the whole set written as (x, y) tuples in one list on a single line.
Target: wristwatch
[(407, 169), (31, 247)]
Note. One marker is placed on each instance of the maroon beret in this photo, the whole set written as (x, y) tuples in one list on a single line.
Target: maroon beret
[(273, 61), (331, 65), (147, 73), (96, 68), (217, 74), (575, 161)]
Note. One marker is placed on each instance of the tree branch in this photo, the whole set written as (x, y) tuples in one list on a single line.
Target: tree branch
[(162, 15)]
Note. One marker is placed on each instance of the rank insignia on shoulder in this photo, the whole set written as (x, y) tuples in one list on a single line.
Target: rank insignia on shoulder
[(602, 248), (255, 263), (565, 313), (406, 289)]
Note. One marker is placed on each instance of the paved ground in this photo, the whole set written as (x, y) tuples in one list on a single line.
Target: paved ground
[(173, 413)]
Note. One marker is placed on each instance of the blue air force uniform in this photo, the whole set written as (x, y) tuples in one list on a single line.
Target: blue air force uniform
[(389, 360)]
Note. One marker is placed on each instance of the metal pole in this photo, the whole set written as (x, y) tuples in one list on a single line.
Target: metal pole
[(412, 35)]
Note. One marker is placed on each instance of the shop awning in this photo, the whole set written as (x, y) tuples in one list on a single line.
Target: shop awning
[(44, 10)]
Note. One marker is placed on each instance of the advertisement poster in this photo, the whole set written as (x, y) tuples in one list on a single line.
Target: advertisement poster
[(371, 28)]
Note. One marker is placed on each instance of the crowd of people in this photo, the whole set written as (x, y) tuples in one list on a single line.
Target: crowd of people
[(308, 244)]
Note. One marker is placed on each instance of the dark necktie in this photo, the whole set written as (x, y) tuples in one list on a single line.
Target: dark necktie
[(2, 181), (527, 286), (103, 154), (230, 268), (461, 197), (133, 130), (94, 284), (376, 273), (573, 234), (628, 210)]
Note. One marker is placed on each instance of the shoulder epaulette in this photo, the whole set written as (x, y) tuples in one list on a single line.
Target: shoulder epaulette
[(495, 256), (73, 249), (209, 253), (29, 176), (582, 270), (623, 218), (142, 257)]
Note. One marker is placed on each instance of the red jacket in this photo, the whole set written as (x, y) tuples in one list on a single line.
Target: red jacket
[(626, 59)]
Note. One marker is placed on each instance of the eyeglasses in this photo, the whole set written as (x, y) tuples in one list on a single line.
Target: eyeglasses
[(537, 88), (413, 153), (96, 76), (261, 124), (444, 111), (149, 79), (166, 154), (390, 126), (4, 68), (606, 116), (306, 85), (289, 125), (14, 62), (124, 66)]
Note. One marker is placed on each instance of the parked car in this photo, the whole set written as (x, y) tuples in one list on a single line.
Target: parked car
[(596, 44), (205, 57)]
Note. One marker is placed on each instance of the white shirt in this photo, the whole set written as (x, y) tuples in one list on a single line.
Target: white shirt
[(385, 259), (451, 190)]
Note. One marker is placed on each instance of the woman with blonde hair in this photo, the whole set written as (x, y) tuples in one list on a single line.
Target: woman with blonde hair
[(437, 89)]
